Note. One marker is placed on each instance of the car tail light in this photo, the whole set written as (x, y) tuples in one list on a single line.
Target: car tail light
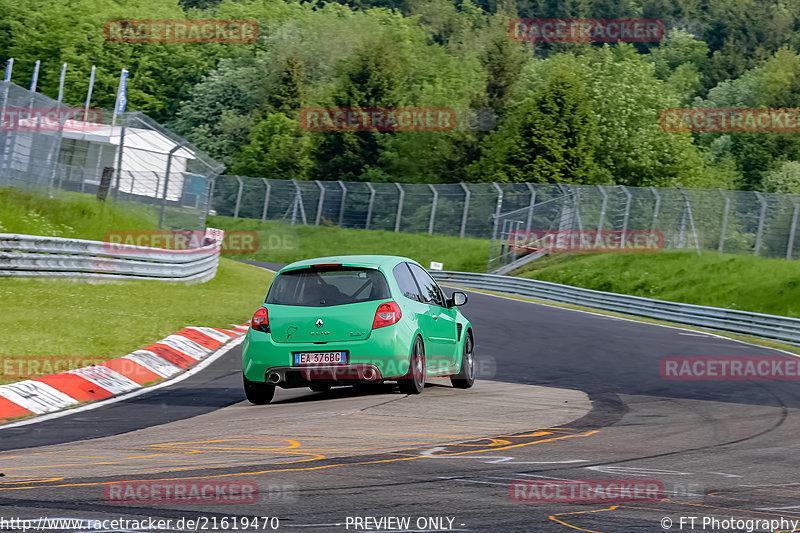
[(260, 321), (387, 314)]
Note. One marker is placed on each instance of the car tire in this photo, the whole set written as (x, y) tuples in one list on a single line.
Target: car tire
[(258, 393), (414, 381), (320, 387), (466, 376)]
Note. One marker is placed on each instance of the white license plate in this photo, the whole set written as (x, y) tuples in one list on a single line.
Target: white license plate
[(317, 358)]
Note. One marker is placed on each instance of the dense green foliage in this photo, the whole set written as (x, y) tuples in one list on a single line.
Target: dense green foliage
[(565, 112)]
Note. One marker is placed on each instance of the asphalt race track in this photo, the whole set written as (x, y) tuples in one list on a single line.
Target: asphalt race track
[(565, 395)]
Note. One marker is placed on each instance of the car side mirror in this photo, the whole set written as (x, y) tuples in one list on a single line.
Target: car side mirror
[(458, 298)]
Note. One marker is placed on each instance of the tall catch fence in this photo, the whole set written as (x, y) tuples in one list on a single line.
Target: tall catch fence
[(738, 222), (48, 146)]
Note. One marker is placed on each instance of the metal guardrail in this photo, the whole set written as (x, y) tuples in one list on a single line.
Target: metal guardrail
[(58, 257), (773, 327)]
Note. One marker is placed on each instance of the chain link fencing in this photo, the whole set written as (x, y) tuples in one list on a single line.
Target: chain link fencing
[(738, 222), (48, 146)]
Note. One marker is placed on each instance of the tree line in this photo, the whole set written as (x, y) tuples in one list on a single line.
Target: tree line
[(580, 113)]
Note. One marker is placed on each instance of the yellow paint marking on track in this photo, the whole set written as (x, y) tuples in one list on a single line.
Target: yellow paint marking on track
[(294, 444), (312, 468), (31, 481), (587, 434), (534, 434), (553, 517), (493, 441)]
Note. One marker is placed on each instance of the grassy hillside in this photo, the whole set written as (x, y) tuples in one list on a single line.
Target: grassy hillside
[(283, 244), (738, 282), (73, 215), (49, 320)]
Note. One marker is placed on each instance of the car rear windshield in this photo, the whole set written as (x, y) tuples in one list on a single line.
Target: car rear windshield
[(323, 287)]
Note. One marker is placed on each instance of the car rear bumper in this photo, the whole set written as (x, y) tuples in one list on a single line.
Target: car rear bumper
[(301, 376), (385, 353)]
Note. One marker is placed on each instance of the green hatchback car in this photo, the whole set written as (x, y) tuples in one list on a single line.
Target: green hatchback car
[(352, 320)]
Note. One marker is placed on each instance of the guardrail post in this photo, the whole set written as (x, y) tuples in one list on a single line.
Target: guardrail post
[(321, 201), (4, 136), (238, 198), (531, 205), (133, 181), (433, 208), (119, 163), (155, 193), (602, 209), (576, 199), (467, 195), (792, 230), (497, 209), (56, 151), (341, 204), (567, 216), (166, 176), (724, 220), (268, 188), (627, 214), (761, 217), (371, 202), (656, 207), (687, 211), (210, 195), (298, 203), (399, 208)]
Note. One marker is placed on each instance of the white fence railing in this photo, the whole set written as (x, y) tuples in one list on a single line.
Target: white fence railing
[(63, 258), (774, 327)]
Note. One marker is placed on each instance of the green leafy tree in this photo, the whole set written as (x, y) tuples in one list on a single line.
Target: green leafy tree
[(774, 84), (784, 179), (278, 148), (552, 137), (503, 60), (287, 94), (371, 79)]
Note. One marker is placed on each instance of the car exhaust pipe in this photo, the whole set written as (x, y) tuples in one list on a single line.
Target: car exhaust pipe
[(369, 374), (274, 378)]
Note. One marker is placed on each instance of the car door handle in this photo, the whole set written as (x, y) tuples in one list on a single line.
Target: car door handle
[(434, 316)]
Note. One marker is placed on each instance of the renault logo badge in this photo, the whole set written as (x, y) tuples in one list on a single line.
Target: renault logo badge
[(320, 323)]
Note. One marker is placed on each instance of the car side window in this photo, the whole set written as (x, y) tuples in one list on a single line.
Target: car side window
[(431, 293), (406, 282)]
